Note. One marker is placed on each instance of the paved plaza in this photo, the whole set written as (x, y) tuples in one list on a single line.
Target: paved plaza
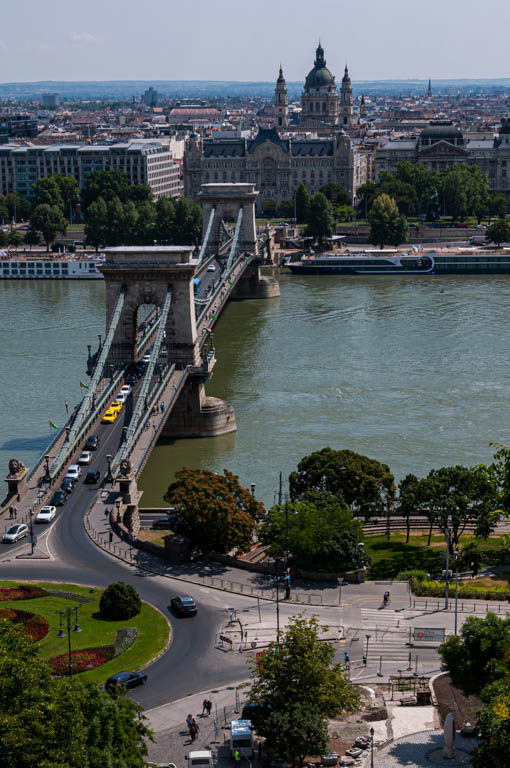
[(423, 750)]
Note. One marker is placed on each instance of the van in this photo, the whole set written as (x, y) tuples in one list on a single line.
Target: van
[(202, 759), (478, 240), (241, 738)]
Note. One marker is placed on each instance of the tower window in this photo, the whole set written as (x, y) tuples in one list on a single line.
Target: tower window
[(324, 106)]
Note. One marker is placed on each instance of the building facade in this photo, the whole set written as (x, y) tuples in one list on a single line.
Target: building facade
[(442, 145), (319, 100), (145, 162), (277, 166)]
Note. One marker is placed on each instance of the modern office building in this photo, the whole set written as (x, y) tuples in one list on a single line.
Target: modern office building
[(144, 161), (17, 127), (50, 100)]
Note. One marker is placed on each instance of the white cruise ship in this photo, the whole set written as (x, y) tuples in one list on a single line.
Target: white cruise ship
[(41, 268)]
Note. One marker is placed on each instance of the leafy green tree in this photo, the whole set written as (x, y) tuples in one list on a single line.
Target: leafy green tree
[(499, 232), (146, 223), (165, 220), (423, 181), (19, 207), (69, 191), (480, 655), (286, 209), (321, 222), (403, 193), (344, 213), (366, 195), (4, 211), (31, 238), (462, 188), (387, 225), (96, 226), (120, 601), (409, 500), (493, 730), (336, 194), (364, 485), (299, 683), (187, 229), (61, 723), (302, 204), (47, 192), (49, 220), (470, 557), (106, 184), (4, 239), (15, 239), (321, 537), (216, 512), (497, 205), (140, 193)]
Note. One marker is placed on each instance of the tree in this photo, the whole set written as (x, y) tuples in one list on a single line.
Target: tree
[(408, 499), (366, 195), (47, 192), (344, 213), (15, 239), (336, 194), (286, 209), (4, 239), (216, 512), (19, 207), (4, 211), (402, 192), (497, 205), (120, 601), (31, 238), (300, 685), (387, 225), (49, 220), (493, 730), (96, 226), (165, 219), (499, 232), (321, 223), (105, 184), (302, 204), (365, 485), (462, 188), (423, 181), (83, 725), (69, 191), (480, 655), (187, 229), (321, 537), (146, 223)]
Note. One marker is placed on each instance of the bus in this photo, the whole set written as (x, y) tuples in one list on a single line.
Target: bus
[(196, 285)]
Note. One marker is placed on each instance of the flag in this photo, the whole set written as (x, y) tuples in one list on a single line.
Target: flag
[(213, 316), (207, 329), (53, 425), (84, 386)]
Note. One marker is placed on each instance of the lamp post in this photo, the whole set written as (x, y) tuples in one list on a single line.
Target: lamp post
[(371, 748), (366, 651), (447, 568), (277, 566), (109, 476), (32, 542), (456, 556), (47, 476), (252, 489), (66, 614)]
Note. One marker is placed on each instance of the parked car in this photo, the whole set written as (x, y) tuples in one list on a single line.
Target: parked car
[(73, 472), (67, 485), (85, 457), (92, 476), (15, 533), (184, 605), (481, 226), (92, 443), (46, 514), (58, 498), (125, 680), (127, 390)]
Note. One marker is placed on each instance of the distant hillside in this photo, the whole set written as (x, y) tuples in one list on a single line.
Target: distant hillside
[(127, 89)]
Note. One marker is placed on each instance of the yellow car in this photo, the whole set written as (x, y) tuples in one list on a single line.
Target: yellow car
[(110, 416), (116, 406)]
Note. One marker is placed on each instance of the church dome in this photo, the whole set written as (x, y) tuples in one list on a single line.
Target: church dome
[(320, 74), (441, 130)]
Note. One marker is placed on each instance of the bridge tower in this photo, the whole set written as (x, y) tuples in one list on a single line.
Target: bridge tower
[(222, 202)]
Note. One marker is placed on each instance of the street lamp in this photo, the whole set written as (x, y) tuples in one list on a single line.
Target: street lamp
[(446, 594), (456, 556), (371, 748), (32, 542), (109, 476), (366, 651), (277, 566), (252, 489), (67, 613), (361, 554), (47, 476)]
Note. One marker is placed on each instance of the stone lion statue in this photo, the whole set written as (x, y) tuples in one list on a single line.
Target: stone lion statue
[(16, 466), (125, 467)]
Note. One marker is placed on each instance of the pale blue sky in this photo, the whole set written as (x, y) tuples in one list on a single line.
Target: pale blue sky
[(246, 39)]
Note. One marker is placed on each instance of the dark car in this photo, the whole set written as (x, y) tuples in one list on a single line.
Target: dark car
[(131, 379), (67, 485), (58, 498), (92, 443), (184, 605), (125, 680), (92, 476)]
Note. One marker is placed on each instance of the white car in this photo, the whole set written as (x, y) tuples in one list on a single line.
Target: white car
[(15, 533), (146, 358), (211, 268), (46, 514), (85, 457), (121, 397), (74, 472), (127, 390)]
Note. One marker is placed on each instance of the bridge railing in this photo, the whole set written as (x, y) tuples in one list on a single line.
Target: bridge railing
[(233, 247), (207, 233), (205, 307)]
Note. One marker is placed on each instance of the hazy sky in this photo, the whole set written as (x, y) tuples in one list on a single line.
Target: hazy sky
[(246, 39)]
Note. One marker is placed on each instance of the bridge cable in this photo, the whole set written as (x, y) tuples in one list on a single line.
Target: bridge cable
[(207, 233)]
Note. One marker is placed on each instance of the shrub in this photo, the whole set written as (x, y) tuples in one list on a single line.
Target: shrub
[(120, 601), (466, 591), (410, 575)]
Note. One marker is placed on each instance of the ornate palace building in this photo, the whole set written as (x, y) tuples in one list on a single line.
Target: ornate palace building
[(442, 144), (277, 164)]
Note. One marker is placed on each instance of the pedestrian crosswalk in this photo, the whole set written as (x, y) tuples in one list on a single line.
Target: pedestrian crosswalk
[(381, 635)]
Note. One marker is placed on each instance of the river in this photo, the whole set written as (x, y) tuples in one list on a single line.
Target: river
[(410, 370)]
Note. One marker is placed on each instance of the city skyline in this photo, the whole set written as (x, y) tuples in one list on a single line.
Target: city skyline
[(217, 41)]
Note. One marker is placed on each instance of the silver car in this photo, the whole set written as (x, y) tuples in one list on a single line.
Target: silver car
[(15, 533)]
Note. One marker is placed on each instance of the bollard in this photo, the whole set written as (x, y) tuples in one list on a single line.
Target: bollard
[(225, 716), (409, 665), (380, 674), (415, 673)]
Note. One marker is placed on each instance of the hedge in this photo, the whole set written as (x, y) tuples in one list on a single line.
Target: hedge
[(466, 591)]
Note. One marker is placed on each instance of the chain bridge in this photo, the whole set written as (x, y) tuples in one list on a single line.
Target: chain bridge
[(183, 291)]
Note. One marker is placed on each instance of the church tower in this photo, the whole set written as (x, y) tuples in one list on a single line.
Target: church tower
[(346, 109), (363, 106), (281, 103), (429, 90)]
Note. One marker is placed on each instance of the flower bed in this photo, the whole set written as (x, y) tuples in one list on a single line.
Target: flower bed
[(87, 658), (32, 623), (21, 592)]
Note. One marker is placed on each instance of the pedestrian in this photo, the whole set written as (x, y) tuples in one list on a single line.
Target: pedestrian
[(11, 512), (204, 706), (106, 512), (15, 511), (209, 706), (121, 535), (237, 759), (111, 536), (195, 729)]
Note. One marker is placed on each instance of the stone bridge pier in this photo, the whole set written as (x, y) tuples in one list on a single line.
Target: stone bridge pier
[(225, 200)]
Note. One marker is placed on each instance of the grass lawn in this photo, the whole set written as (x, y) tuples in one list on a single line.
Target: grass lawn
[(155, 537), (153, 629), (394, 555)]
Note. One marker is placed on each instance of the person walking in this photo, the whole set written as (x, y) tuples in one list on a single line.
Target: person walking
[(204, 707), (209, 706), (194, 730), (11, 512), (15, 512), (237, 759)]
